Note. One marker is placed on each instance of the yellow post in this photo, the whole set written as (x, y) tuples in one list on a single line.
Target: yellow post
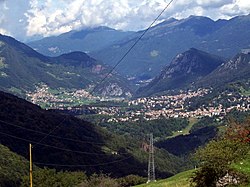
[(30, 165)]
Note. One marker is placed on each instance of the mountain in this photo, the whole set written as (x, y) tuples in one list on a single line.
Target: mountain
[(185, 68), (236, 69), (87, 40), (165, 40), (22, 68), (64, 142)]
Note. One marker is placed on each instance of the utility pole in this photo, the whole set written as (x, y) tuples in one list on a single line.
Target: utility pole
[(151, 162), (30, 150)]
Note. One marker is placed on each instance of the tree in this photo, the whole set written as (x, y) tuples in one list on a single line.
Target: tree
[(217, 156), (12, 168), (131, 180), (101, 180), (239, 131), (49, 177)]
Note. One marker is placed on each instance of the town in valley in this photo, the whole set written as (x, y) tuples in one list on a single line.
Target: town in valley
[(180, 105)]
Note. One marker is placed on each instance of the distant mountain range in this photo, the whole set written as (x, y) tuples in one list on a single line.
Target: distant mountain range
[(21, 68), (165, 40), (86, 40), (158, 47)]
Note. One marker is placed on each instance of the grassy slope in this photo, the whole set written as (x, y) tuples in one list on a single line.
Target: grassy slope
[(182, 179), (179, 180), (185, 131), (243, 166)]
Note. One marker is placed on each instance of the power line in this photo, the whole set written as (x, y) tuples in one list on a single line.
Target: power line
[(80, 165), (50, 132), (122, 58), (67, 165), (130, 49), (55, 147), (80, 152), (53, 136)]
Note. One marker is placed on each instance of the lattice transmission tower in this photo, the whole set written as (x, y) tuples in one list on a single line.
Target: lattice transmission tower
[(151, 161)]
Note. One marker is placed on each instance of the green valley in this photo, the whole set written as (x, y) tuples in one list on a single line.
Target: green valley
[(170, 103)]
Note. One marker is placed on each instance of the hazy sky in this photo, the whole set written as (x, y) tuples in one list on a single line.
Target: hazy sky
[(26, 18)]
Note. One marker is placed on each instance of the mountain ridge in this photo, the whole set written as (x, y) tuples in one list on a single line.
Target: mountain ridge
[(165, 40), (235, 69), (84, 40), (184, 69), (22, 68)]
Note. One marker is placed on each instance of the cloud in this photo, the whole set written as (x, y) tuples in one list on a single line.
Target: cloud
[(236, 8), (215, 9), (11, 12), (3, 18), (53, 17), (213, 3), (4, 32), (47, 19)]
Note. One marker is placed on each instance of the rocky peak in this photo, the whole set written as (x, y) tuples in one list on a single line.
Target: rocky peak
[(185, 69), (192, 62), (239, 61), (236, 69)]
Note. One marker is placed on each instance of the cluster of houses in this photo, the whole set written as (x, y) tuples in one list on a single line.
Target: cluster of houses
[(148, 108), (57, 99), (175, 107)]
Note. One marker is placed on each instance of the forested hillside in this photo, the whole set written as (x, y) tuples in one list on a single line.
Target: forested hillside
[(65, 142)]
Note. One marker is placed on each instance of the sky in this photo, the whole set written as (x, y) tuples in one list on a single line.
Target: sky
[(26, 19)]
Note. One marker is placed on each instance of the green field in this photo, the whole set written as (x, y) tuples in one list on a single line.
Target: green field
[(179, 180), (185, 131), (243, 166)]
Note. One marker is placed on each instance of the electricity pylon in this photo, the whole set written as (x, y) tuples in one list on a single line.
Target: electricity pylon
[(151, 162)]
